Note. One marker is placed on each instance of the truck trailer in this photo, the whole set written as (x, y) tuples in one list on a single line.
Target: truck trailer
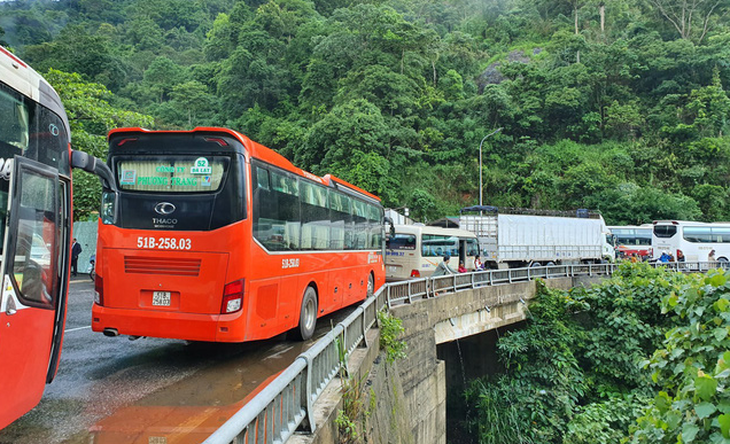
[(515, 237)]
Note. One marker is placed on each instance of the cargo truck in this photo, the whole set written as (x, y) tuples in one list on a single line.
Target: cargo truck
[(515, 237)]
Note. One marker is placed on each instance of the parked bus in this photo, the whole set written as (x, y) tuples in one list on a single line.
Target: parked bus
[(631, 239), (694, 239), (35, 226), (214, 237), (415, 250)]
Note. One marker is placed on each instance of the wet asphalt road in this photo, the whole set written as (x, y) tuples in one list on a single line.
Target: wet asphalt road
[(149, 391)]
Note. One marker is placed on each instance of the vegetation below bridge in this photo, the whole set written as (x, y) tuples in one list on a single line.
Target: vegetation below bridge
[(641, 358)]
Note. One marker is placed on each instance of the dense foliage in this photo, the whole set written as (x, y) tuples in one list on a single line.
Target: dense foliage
[(692, 369), (579, 372), (613, 105)]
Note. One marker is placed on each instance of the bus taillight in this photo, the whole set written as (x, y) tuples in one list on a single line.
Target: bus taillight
[(232, 297), (98, 290), (415, 274)]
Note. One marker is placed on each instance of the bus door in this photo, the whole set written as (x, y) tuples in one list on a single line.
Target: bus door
[(31, 313), (462, 251)]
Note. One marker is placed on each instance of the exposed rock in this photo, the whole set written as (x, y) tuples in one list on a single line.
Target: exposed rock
[(491, 75)]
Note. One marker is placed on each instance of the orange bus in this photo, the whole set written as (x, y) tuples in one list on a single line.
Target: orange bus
[(214, 237), (35, 232)]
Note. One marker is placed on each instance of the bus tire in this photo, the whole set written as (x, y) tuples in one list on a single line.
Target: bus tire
[(307, 315), (371, 286)]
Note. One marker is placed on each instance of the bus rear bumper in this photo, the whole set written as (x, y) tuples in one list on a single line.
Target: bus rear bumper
[(156, 324)]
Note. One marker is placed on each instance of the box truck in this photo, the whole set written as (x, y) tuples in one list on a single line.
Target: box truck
[(515, 237)]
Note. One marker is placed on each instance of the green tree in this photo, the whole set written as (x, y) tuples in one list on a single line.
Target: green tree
[(91, 116)]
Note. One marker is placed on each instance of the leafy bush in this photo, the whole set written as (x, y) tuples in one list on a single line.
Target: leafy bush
[(573, 374), (692, 370)]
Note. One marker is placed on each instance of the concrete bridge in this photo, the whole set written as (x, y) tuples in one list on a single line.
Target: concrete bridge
[(404, 401), (409, 397)]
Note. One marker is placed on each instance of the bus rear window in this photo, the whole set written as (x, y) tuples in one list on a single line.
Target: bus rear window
[(171, 174), (401, 242), (665, 231)]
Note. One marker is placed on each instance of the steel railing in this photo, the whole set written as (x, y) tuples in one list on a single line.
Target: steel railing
[(286, 404)]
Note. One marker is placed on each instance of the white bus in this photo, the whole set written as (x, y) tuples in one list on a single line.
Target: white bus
[(631, 239), (415, 250), (694, 239)]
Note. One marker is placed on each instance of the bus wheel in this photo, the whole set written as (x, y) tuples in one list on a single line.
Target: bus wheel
[(371, 286), (307, 315)]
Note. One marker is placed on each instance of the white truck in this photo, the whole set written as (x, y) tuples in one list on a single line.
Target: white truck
[(512, 238)]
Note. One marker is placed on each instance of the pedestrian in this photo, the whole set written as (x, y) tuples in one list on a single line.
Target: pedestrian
[(75, 252), (443, 267), (711, 258), (680, 256), (478, 263), (664, 258), (462, 268)]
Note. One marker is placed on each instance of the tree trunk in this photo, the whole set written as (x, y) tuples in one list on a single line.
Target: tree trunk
[(602, 13)]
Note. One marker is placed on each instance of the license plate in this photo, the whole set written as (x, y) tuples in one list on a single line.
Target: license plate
[(161, 298)]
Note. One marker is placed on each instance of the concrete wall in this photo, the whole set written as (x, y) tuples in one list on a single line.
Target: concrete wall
[(85, 232), (405, 402)]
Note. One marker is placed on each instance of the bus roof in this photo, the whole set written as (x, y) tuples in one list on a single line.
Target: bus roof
[(24, 79), (256, 151), (429, 229)]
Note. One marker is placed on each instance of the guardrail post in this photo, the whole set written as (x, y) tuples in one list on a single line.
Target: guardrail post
[(491, 278), (528, 273), (410, 293), (309, 392), (387, 294), (364, 330), (509, 275)]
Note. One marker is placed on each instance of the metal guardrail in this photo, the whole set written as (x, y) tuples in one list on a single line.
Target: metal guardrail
[(286, 404)]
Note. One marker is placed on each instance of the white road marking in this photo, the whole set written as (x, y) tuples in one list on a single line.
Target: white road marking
[(76, 329), (276, 355)]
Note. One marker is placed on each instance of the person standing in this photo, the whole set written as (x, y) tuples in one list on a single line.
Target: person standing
[(75, 252), (711, 258)]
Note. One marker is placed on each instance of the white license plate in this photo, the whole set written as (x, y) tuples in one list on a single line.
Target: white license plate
[(161, 298)]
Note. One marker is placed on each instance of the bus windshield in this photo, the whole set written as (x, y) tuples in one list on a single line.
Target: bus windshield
[(401, 242), (171, 174), (13, 140)]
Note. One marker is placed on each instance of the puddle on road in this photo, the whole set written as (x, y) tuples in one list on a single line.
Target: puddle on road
[(189, 410)]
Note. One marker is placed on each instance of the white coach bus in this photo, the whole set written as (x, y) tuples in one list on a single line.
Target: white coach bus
[(694, 239), (415, 250)]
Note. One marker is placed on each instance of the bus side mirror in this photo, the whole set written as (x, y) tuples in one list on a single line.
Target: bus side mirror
[(391, 231), (93, 165)]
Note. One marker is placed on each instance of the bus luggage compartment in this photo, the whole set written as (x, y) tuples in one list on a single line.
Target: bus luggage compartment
[(184, 282)]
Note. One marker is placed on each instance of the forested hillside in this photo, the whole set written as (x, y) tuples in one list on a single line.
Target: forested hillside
[(614, 105)]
